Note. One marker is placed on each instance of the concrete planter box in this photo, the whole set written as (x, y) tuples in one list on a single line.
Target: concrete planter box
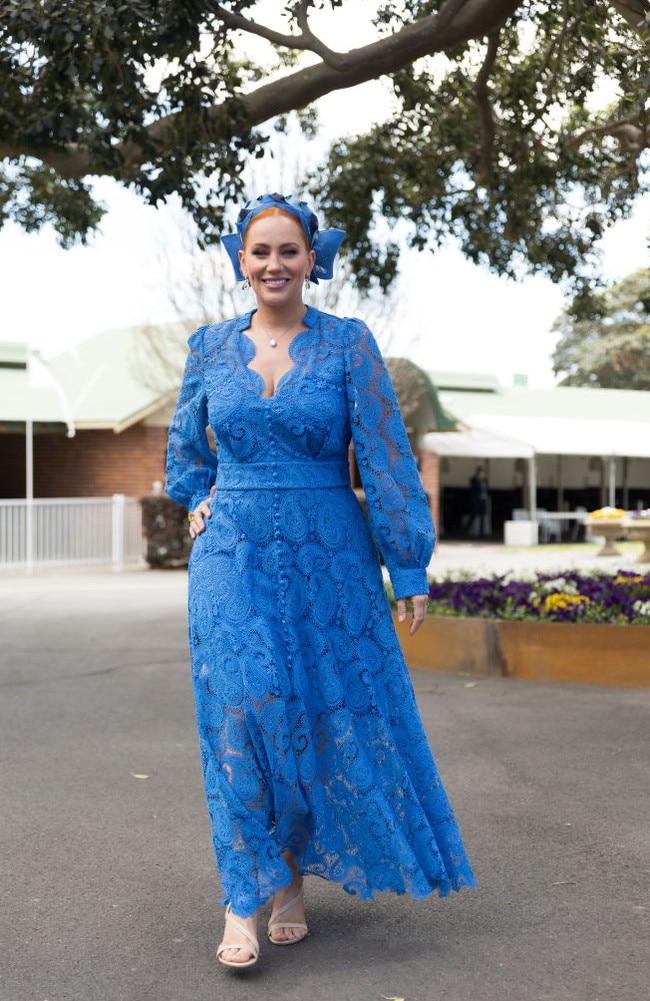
[(582, 653)]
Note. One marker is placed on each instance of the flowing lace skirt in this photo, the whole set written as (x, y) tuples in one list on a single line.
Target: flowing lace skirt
[(310, 736)]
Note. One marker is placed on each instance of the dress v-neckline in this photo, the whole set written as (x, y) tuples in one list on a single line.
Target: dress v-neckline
[(257, 378)]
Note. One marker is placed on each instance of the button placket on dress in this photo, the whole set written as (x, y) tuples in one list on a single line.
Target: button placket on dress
[(283, 569)]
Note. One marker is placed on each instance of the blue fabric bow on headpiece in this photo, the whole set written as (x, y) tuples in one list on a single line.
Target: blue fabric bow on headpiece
[(324, 242)]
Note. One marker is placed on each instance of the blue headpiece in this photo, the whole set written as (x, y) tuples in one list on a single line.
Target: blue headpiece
[(324, 242)]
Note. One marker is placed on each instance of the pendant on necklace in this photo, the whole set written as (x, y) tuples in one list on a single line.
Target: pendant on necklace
[(273, 342)]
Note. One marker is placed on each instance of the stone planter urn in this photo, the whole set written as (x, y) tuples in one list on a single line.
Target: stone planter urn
[(638, 530), (611, 529)]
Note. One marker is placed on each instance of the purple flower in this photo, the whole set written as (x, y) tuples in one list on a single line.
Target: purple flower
[(570, 597)]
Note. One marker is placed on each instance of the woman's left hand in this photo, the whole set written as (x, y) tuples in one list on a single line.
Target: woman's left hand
[(419, 602)]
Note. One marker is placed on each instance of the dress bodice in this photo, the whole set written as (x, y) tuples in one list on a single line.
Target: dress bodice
[(337, 390), (306, 418)]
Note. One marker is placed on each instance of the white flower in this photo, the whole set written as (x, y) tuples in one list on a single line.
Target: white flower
[(559, 584)]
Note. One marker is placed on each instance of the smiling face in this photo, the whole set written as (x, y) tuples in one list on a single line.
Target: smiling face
[(276, 258)]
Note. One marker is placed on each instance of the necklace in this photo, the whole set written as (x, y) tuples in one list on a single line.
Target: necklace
[(273, 341)]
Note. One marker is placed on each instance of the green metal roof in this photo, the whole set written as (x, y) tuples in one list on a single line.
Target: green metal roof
[(562, 401), (465, 381), (417, 397), (560, 421), (13, 354), (110, 381)]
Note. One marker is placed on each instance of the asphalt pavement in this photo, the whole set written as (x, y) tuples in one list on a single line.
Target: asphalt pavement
[(109, 890)]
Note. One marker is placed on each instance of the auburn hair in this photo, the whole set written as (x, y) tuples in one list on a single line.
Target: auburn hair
[(275, 210)]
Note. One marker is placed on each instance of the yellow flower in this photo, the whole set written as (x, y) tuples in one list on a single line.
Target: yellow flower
[(608, 512), (561, 601), (628, 580)]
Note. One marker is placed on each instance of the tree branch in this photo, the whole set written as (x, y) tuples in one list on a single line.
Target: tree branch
[(635, 12), (485, 109), (456, 22), (631, 136), (306, 41)]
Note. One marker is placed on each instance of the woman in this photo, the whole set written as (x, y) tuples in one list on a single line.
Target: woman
[(314, 756)]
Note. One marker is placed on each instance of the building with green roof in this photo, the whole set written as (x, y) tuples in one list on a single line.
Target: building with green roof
[(99, 416)]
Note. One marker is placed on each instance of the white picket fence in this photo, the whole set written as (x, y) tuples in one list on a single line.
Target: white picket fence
[(63, 531)]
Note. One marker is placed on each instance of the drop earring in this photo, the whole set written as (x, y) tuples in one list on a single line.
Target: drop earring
[(245, 285), (307, 282)]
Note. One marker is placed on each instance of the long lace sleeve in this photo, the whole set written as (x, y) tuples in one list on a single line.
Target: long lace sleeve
[(397, 505), (191, 465)]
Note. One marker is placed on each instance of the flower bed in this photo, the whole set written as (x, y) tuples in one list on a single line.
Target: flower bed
[(620, 599), (572, 627)]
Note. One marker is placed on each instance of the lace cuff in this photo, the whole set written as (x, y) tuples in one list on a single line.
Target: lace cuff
[(406, 583)]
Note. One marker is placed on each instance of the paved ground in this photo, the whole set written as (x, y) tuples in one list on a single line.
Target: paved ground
[(108, 885)]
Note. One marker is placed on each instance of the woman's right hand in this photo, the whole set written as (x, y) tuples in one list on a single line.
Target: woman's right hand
[(199, 514)]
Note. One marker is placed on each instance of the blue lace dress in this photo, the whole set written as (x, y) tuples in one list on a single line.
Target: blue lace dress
[(309, 732)]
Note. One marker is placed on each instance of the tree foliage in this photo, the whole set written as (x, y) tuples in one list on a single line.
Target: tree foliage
[(498, 134), (605, 337)]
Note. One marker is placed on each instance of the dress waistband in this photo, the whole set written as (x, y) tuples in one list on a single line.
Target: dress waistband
[(286, 475)]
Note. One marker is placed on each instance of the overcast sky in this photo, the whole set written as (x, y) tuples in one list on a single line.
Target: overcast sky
[(449, 315)]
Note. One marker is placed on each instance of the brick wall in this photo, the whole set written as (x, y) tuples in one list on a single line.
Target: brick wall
[(12, 465), (92, 464), (429, 465)]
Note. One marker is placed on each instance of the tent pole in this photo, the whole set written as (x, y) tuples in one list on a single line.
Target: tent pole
[(612, 481), (29, 495)]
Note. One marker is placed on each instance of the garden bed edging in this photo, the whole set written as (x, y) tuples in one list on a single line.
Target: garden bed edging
[(583, 653)]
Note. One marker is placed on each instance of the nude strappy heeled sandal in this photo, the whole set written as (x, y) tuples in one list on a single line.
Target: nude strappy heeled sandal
[(249, 945), (277, 922)]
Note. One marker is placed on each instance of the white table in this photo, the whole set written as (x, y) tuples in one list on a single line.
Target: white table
[(578, 517)]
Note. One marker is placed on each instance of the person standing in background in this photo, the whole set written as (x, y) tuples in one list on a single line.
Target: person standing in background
[(479, 494)]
